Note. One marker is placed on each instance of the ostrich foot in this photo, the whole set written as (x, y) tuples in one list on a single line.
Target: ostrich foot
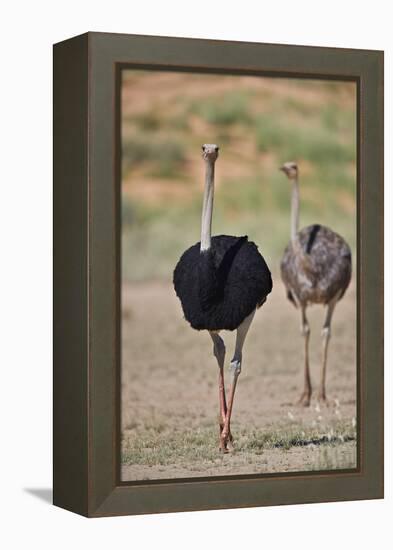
[(304, 399), (226, 442), (226, 448), (322, 399), (230, 446), (223, 448)]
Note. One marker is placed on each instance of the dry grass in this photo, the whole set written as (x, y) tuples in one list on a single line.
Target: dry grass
[(170, 395), (162, 445)]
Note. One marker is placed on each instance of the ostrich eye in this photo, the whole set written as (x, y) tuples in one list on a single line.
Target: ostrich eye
[(203, 147), (217, 149)]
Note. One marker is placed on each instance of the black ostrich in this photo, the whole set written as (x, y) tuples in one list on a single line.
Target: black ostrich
[(220, 282), (316, 269)]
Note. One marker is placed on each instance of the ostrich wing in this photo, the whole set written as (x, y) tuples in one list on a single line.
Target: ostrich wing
[(317, 268), (226, 262), (213, 270)]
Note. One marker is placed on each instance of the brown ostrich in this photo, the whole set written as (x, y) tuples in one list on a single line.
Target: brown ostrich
[(316, 269)]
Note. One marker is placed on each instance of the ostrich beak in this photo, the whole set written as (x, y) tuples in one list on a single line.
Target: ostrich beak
[(282, 168)]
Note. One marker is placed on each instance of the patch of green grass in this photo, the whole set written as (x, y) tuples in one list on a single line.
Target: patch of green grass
[(128, 212), (316, 144), (154, 237), (333, 458), (137, 214), (177, 121), (232, 108), (148, 120), (254, 196), (286, 436), (295, 105), (159, 445), (336, 119), (157, 119), (154, 447), (165, 156), (164, 246)]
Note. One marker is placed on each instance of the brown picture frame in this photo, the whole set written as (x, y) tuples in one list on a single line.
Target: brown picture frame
[(86, 412)]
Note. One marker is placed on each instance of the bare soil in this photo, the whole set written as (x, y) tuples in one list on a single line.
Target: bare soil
[(170, 391)]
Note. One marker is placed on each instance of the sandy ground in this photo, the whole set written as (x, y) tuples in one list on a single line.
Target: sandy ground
[(170, 393)]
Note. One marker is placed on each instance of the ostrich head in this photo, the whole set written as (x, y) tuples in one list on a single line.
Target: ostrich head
[(290, 169), (210, 152)]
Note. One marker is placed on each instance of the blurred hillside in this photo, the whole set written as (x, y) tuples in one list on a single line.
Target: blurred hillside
[(259, 123)]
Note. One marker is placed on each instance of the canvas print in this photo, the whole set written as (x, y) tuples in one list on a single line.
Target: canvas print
[(238, 275)]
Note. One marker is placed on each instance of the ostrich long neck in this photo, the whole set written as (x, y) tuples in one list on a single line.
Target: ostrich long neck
[(295, 210), (207, 210)]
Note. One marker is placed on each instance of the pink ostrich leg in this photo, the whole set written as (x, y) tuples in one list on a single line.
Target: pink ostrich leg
[(235, 371), (219, 352)]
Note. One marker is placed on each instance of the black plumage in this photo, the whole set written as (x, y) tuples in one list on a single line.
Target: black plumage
[(218, 288), (318, 267)]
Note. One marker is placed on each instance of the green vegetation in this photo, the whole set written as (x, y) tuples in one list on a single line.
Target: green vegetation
[(295, 436), (330, 458), (165, 155), (311, 142), (233, 108), (152, 448), (258, 128), (157, 444), (154, 237)]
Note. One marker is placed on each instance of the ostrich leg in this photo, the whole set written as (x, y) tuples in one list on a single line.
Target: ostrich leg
[(219, 352), (306, 395), (325, 342), (235, 368)]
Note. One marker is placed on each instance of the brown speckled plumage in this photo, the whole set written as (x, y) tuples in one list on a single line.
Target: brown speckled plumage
[(317, 267)]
